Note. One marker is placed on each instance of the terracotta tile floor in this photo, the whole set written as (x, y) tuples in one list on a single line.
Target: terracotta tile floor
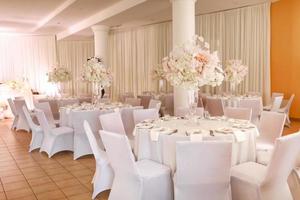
[(31, 176)]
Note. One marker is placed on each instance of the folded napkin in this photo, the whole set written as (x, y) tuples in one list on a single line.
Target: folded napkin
[(155, 132)]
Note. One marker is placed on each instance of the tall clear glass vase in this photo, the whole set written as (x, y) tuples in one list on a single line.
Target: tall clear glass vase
[(96, 93)]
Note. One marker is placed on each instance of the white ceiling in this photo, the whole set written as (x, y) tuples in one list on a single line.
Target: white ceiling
[(74, 17)]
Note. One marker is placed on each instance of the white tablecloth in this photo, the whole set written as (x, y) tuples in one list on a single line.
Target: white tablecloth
[(163, 149), (234, 101)]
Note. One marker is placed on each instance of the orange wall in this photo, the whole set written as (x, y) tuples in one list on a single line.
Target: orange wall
[(285, 50)]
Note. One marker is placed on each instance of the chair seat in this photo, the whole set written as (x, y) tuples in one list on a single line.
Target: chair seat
[(260, 145), (250, 172), (267, 108), (148, 168), (264, 156), (62, 130)]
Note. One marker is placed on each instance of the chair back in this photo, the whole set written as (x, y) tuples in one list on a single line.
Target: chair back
[(119, 153), (145, 100), (169, 104), (19, 103), (12, 107), (154, 104), (283, 160), (271, 126), (254, 104), (93, 140), (126, 95), (204, 167), (238, 113), (277, 100), (41, 117), (28, 117), (112, 122), (133, 101), (289, 104), (141, 115), (45, 106), (277, 94), (214, 106), (128, 121)]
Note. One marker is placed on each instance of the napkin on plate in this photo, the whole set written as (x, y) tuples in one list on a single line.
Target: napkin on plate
[(155, 132)]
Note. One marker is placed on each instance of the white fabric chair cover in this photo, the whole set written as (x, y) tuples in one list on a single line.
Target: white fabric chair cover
[(67, 102), (214, 106), (270, 128), (286, 109), (81, 144), (53, 105), (55, 139), (133, 101), (36, 131), (14, 112), (253, 181), (203, 171), (112, 122), (141, 115), (128, 121), (142, 180), (45, 107), (255, 105), (126, 95), (276, 103), (277, 94), (22, 123), (238, 113), (154, 104), (182, 112), (104, 175)]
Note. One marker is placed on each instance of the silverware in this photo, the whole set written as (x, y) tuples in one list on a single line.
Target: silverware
[(211, 133)]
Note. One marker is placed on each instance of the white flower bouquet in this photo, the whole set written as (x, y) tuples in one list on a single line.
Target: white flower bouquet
[(158, 73), (59, 75), (193, 65), (19, 86), (95, 72), (235, 71)]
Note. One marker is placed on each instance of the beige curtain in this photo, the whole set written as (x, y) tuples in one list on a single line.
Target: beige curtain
[(242, 33), (73, 55)]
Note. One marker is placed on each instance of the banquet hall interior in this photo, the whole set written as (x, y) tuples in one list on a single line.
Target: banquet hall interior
[(149, 99)]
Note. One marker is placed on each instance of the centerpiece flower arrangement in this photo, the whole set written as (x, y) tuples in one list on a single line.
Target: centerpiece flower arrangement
[(19, 86), (193, 65), (98, 74), (235, 72), (158, 74), (59, 75)]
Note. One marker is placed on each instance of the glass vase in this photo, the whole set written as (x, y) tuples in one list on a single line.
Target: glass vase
[(96, 93)]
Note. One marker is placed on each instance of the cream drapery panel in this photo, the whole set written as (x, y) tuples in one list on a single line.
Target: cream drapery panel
[(29, 57), (73, 55), (242, 33)]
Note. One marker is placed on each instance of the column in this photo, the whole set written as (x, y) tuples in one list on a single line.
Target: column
[(183, 22), (101, 41)]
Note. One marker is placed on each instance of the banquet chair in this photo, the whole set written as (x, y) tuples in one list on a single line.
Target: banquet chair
[(203, 170), (270, 128), (112, 122), (214, 106), (55, 139), (286, 110), (67, 102), (182, 111), (133, 101), (128, 121), (37, 133), (141, 180), (255, 105), (203, 96), (45, 106), (144, 114), (168, 107), (14, 112), (22, 123), (154, 104), (276, 103), (145, 100), (104, 174), (238, 113), (126, 95), (253, 181), (81, 144)]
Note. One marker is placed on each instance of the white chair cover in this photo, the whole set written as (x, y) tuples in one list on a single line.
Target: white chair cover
[(154, 104), (277, 100), (214, 106), (45, 107), (112, 122), (203, 171), (81, 143), (142, 180), (145, 100), (55, 139), (141, 115), (126, 95), (67, 102), (22, 123), (238, 113), (286, 109), (255, 105), (252, 181), (103, 176), (14, 112), (133, 101), (128, 121), (37, 132)]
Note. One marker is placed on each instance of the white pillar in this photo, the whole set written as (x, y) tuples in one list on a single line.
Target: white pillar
[(183, 15), (101, 41)]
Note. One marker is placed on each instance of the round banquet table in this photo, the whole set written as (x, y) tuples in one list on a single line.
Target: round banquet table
[(161, 146), (234, 101)]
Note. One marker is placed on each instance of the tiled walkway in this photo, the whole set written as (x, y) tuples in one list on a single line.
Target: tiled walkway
[(31, 176)]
